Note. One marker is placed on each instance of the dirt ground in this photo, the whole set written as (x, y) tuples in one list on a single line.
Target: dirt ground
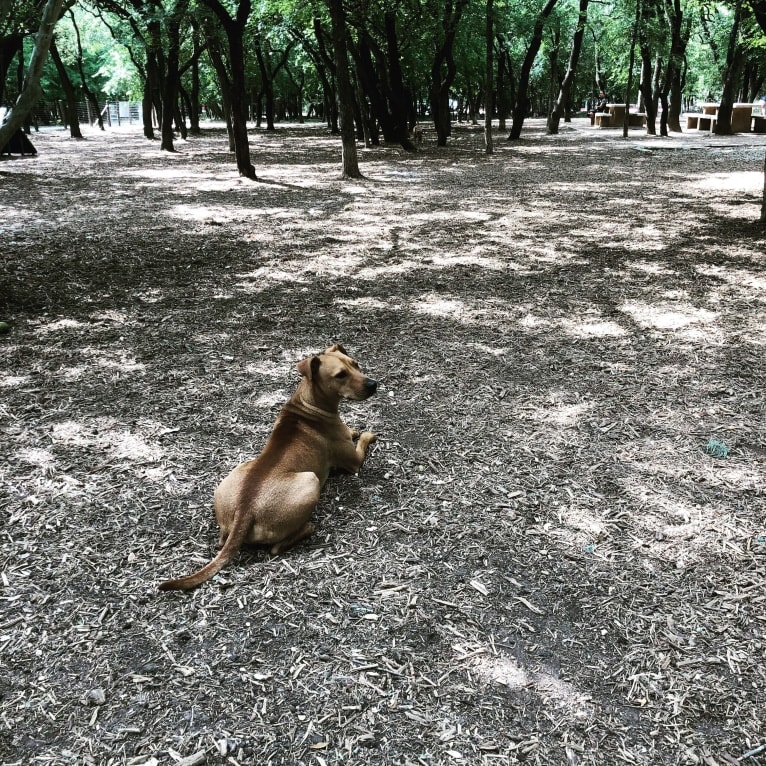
[(556, 552)]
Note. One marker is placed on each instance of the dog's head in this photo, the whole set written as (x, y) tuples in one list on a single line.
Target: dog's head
[(336, 374)]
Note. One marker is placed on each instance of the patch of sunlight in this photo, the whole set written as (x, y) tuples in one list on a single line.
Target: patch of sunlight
[(660, 316), (35, 456), (152, 295), (258, 280), (560, 414), (744, 181), (271, 399), (587, 327), (452, 216), (265, 368), (77, 372), (533, 322), (372, 273), (208, 213), (737, 277), (591, 327), (107, 436), (12, 381), (506, 671), (118, 317), (650, 268), (61, 324), (581, 520), (440, 307), (122, 362), (476, 257)]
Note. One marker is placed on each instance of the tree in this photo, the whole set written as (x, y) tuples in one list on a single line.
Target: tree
[(489, 38), (173, 19), (234, 83), (443, 69), (566, 84), (521, 107), (72, 117), (350, 164), (733, 65), (31, 91)]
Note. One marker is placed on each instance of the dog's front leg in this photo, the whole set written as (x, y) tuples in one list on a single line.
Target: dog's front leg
[(366, 438)]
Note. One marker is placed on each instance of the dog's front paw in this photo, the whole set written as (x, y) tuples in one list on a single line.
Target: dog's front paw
[(367, 437)]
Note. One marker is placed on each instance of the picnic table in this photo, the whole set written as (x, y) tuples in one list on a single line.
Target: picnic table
[(742, 119), (615, 117)]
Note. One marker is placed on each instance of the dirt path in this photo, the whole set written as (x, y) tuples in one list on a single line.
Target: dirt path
[(540, 562)]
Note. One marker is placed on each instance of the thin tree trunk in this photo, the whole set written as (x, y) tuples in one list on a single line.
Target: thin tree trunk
[(631, 64), (89, 94), (350, 162), (235, 80), (72, 118), (733, 61), (31, 90), (763, 203), (574, 57), (521, 107), (490, 33)]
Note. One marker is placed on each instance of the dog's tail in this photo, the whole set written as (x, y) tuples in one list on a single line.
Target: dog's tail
[(233, 543)]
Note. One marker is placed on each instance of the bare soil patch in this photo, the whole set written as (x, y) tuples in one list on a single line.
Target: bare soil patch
[(541, 562)]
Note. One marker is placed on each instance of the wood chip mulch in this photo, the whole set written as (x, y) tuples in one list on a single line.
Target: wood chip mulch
[(556, 553)]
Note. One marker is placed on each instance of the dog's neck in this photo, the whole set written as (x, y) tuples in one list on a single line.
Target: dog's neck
[(305, 399), (314, 410)]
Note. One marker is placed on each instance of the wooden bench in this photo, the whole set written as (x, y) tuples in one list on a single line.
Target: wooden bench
[(603, 119), (701, 122), (759, 124)]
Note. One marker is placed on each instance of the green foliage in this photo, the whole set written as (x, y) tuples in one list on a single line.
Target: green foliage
[(114, 36)]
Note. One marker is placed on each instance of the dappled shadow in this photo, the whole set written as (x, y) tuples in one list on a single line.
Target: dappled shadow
[(540, 543)]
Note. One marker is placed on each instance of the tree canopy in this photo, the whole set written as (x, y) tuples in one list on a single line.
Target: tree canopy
[(404, 62)]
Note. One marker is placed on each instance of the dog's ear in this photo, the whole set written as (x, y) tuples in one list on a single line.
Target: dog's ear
[(307, 368), (337, 348)]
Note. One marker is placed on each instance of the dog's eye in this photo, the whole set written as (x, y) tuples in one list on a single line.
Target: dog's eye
[(341, 374)]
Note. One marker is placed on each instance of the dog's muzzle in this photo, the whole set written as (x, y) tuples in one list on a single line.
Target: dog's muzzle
[(370, 386)]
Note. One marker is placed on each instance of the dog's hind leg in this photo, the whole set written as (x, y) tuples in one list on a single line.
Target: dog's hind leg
[(306, 531)]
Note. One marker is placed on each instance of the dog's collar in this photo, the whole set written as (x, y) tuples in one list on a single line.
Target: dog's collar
[(316, 410)]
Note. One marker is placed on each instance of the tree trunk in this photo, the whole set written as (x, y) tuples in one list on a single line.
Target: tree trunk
[(235, 80), (170, 89), (72, 119), (733, 65), (89, 94), (398, 98), (224, 82), (763, 203), (522, 104), (574, 57), (267, 80), (444, 70), (490, 65), (350, 164), (31, 91), (631, 64), (645, 84)]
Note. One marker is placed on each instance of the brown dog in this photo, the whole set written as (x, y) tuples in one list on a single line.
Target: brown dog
[(270, 500)]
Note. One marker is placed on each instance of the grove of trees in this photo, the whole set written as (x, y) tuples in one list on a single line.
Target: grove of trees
[(374, 67)]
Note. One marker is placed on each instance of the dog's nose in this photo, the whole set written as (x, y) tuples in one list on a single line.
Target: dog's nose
[(371, 386)]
